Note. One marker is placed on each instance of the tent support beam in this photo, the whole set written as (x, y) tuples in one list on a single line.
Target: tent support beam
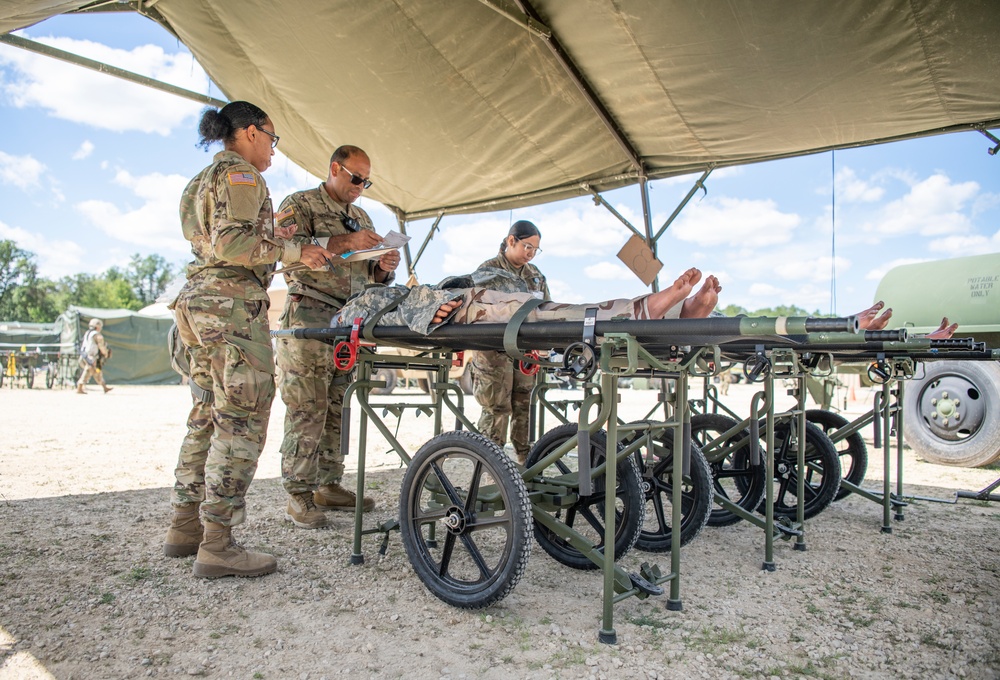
[(101, 67), (588, 93), (647, 221), (423, 246), (533, 25), (599, 200), (982, 128), (699, 184)]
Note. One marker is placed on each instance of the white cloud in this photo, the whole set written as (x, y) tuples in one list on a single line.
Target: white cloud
[(962, 246), (722, 221), (933, 207), (56, 258), (608, 271), (153, 223), (86, 148), (23, 172), (83, 96), (852, 189)]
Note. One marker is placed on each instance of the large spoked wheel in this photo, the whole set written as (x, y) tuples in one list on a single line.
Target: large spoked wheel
[(658, 483), (586, 515), (50, 375), (464, 516), (822, 476), (852, 450), (734, 476)]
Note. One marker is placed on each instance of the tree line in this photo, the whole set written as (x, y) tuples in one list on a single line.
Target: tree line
[(27, 297)]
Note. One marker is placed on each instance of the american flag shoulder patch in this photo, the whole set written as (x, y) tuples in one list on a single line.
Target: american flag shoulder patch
[(242, 178), (284, 214)]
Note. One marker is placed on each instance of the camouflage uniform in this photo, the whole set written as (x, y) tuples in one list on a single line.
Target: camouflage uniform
[(221, 311), (498, 384), (91, 364), (489, 296), (311, 387)]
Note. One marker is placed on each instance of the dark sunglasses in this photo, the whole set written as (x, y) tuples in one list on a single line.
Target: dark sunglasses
[(357, 179)]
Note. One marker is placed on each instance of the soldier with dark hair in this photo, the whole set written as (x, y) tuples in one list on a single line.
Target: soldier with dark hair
[(498, 384), (221, 312), (312, 387)]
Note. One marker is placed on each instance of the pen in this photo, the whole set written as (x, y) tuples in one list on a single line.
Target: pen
[(329, 263)]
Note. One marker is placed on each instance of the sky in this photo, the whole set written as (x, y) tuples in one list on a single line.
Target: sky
[(92, 167)]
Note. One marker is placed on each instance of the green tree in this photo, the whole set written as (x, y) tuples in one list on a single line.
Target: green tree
[(23, 295), (149, 276)]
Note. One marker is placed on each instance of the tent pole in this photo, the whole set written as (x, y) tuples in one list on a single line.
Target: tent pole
[(699, 184), (427, 239), (647, 220)]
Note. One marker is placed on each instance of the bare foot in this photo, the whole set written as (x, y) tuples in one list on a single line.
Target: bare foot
[(869, 319), (701, 304), (660, 303), (944, 331), (445, 311)]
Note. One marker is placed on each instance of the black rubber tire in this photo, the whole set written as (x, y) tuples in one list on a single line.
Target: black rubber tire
[(733, 475), (696, 496), (29, 376), (822, 475), (50, 375), (976, 441), (482, 540), (389, 376), (586, 516), (852, 451)]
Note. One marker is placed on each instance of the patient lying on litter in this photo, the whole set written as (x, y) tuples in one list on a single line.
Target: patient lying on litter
[(492, 296)]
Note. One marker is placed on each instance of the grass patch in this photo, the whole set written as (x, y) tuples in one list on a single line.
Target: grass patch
[(107, 598)]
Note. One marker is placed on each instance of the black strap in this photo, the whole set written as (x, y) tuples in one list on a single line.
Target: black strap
[(514, 325), (377, 316)]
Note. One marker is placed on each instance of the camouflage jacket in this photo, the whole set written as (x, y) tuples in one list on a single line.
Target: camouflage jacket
[(529, 273), (317, 216), (227, 216), (415, 307)]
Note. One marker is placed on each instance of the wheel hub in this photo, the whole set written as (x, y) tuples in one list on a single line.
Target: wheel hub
[(455, 520), (952, 408)]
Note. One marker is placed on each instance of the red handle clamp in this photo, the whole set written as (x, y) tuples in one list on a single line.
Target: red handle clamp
[(530, 368)]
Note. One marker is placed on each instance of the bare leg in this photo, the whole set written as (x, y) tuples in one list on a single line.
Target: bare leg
[(869, 319), (659, 303), (944, 331), (701, 304)]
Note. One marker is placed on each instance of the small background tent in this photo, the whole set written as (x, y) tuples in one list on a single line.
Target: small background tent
[(138, 344)]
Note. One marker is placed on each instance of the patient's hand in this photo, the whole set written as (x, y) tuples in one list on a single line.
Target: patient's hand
[(944, 331), (445, 310)]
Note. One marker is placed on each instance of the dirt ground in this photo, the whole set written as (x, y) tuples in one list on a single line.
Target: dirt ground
[(86, 593)]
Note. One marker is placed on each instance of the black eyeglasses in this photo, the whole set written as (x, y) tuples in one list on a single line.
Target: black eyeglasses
[(274, 137), (357, 180), (528, 248)]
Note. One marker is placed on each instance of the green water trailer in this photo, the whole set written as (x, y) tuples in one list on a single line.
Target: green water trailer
[(952, 410)]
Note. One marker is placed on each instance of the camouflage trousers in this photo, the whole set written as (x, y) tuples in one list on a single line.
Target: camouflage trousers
[(189, 474), (313, 391), (504, 393), (490, 306), (89, 372), (229, 339)]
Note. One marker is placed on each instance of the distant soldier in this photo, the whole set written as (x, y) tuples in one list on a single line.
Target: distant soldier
[(221, 312), (498, 384), (312, 387), (94, 351)]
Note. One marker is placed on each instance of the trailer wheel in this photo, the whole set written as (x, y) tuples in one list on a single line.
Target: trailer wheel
[(586, 515), (822, 475), (734, 476), (464, 516), (949, 415), (696, 496), (852, 450), (389, 376)]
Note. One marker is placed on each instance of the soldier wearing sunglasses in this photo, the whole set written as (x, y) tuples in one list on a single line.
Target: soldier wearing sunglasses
[(311, 386), (498, 384)]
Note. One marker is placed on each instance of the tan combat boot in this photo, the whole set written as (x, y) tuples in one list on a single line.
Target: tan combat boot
[(302, 512), (80, 390), (107, 389), (336, 497), (185, 532), (219, 555)]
